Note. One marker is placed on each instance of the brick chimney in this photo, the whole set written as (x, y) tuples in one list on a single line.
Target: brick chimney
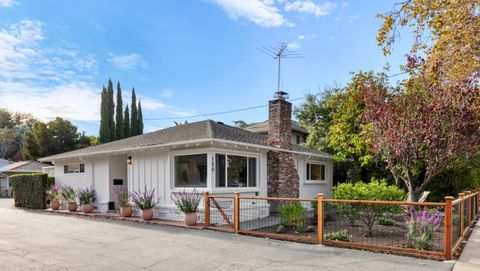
[(282, 175)]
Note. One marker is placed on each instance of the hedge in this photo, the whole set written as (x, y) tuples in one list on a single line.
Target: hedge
[(29, 190)]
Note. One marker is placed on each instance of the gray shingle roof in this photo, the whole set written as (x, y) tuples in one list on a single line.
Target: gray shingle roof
[(206, 129), (24, 167), (262, 127)]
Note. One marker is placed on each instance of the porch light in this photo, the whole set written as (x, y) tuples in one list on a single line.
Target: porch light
[(129, 160)]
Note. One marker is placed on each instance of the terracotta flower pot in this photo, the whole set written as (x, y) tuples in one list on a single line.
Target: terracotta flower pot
[(87, 208), (72, 206), (126, 211), (54, 204), (147, 214), (191, 219)]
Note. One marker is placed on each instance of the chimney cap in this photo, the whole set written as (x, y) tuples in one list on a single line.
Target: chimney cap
[(280, 95)]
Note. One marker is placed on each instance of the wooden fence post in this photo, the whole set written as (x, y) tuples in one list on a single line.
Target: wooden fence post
[(469, 208), (236, 212), (206, 209), (320, 222), (448, 228), (462, 207)]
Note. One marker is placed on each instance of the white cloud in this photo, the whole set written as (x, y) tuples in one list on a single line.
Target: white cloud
[(166, 93), (127, 62), (7, 3), (306, 36), (263, 13), (294, 45), (310, 7)]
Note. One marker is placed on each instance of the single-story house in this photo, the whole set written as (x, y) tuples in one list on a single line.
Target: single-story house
[(21, 167), (205, 155)]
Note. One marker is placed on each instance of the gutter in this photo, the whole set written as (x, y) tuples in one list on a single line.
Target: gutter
[(187, 142)]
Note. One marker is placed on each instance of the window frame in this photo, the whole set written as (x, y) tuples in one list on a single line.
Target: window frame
[(80, 166), (308, 169), (248, 156), (174, 171)]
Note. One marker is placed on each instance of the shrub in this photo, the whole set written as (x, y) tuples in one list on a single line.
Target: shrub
[(337, 235), (50, 181), (293, 215), (367, 213), (123, 196), (68, 193), (86, 195), (53, 192), (144, 200), (187, 202), (422, 226), (386, 221), (29, 190)]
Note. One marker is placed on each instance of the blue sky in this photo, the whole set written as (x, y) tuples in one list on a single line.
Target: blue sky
[(183, 57)]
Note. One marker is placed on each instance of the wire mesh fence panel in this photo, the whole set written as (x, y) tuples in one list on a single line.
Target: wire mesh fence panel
[(277, 218), (456, 230), (222, 212), (465, 215), (472, 209), (385, 225)]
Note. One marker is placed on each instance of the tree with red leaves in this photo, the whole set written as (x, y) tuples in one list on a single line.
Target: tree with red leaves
[(422, 128)]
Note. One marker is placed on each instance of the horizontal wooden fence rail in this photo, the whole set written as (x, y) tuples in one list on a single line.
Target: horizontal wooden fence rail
[(366, 224)]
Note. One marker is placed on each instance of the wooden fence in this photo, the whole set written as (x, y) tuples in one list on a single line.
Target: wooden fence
[(377, 225)]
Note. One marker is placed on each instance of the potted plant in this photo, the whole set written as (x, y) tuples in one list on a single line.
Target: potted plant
[(87, 197), (188, 203), (145, 201), (68, 194), (53, 195), (126, 209)]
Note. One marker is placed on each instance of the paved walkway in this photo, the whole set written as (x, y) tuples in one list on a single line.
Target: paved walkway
[(470, 258), (32, 240)]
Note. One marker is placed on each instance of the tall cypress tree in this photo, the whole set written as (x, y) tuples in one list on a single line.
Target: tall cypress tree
[(126, 123), (104, 120), (140, 119), (134, 115), (119, 131), (111, 110)]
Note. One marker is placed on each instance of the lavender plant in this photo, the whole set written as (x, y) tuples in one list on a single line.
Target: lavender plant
[(123, 196), (86, 195), (187, 202), (53, 192), (422, 226), (144, 200)]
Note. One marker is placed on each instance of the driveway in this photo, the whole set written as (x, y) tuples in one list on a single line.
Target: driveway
[(31, 240)]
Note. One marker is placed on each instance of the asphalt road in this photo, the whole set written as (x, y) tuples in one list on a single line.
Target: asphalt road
[(32, 240)]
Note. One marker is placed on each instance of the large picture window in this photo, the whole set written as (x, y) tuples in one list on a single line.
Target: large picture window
[(235, 171), (315, 172), (74, 168), (191, 170)]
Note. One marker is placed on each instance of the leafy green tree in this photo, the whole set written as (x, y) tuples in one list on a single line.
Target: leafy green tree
[(140, 119), (104, 118), (134, 115), (111, 110), (240, 123), (126, 123), (336, 125), (119, 130)]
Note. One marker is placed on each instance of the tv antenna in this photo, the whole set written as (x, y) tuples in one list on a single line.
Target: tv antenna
[(279, 52)]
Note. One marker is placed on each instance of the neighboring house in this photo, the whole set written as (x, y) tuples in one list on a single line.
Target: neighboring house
[(299, 133), (206, 155), (3, 179), (18, 168)]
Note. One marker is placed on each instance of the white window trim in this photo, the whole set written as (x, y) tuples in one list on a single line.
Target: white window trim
[(225, 188), (307, 181), (74, 173), (173, 173)]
